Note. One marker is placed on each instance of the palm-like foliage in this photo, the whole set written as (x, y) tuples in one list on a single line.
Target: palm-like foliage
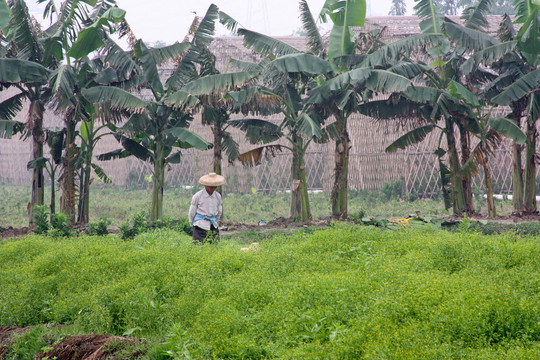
[(210, 87), (458, 50), (488, 131), (300, 124), (156, 131), (26, 69), (518, 86), (354, 79), (66, 41), (285, 74)]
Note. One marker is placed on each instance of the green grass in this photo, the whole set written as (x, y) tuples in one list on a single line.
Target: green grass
[(121, 205), (344, 292)]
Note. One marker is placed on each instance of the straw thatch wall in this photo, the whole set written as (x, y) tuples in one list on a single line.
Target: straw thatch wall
[(369, 167)]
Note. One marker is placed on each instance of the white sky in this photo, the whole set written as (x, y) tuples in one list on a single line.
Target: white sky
[(169, 20)]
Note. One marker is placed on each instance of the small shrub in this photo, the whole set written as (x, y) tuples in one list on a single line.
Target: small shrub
[(183, 225), (465, 225), (40, 215), (99, 228), (126, 232), (166, 223), (60, 225), (177, 345), (359, 215), (139, 224)]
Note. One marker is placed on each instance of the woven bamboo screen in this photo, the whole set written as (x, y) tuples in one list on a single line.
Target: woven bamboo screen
[(369, 166)]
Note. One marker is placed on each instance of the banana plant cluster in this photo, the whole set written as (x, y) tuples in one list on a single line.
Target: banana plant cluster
[(312, 92), (155, 130), (49, 68), (457, 92), (52, 67)]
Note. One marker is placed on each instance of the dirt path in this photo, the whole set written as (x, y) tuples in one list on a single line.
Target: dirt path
[(281, 223)]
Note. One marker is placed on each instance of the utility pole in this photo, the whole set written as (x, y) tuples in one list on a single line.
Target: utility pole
[(257, 15)]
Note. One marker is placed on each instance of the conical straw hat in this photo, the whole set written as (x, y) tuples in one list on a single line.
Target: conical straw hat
[(212, 179)]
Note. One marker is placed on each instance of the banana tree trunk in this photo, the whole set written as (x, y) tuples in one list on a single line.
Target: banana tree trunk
[(530, 168), (458, 194), (517, 178), (492, 210), (84, 200), (53, 191), (300, 209), (218, 152), (38, 138), (67, 205), (341, 171), (159, 180), (517, 167), (467, 183), (84, 188)]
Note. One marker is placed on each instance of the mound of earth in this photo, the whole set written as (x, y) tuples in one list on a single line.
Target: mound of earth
[(10, 232), (92, 347)]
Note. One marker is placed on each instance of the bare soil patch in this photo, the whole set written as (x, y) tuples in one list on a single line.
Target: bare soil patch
[(501, 219), (282, 223), (10, 232), (92, 347), (279, 223)]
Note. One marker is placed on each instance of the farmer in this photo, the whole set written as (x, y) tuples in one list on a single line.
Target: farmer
[(206, 209)]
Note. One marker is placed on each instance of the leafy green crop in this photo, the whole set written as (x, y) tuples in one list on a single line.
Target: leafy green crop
[(345, 292)]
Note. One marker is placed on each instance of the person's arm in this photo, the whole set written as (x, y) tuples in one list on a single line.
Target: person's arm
[(193, 208)]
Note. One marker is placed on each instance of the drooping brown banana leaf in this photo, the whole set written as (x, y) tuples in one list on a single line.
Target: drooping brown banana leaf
[(254, 157)]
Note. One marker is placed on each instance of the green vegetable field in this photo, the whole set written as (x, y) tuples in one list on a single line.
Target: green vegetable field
[(342, 292)]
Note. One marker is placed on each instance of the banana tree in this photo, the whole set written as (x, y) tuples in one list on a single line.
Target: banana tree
[(156, 131), (210, 86), (284, 74), (344, 14), (74, 34), (30, 79), (488, 131), (518, 86), (430, 101), (291, 77), (27, 69), (89, 135), (354, 80), (342, 103)]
